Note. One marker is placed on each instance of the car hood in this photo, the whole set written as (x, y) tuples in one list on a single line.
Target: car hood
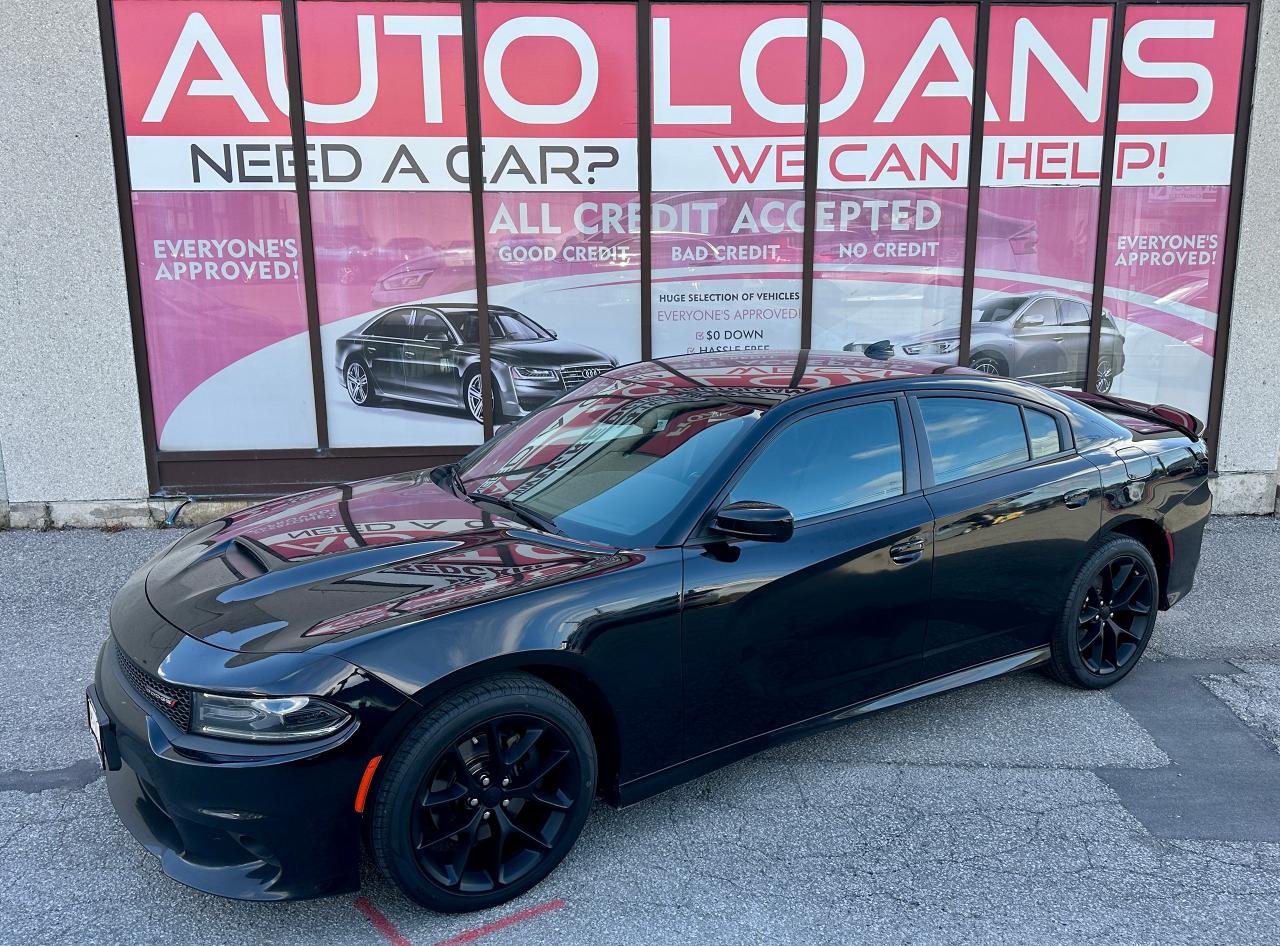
[(322, 566), (552, 352)]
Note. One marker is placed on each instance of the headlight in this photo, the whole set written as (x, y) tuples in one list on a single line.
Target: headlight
[(944, 347), (536, 374), (274, 718), (410, 280)]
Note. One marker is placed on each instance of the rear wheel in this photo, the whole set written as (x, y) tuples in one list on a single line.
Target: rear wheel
[(1106, 375), (1109, 616), (486, 795)]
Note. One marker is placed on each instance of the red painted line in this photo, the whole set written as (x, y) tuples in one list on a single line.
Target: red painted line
[(469, 936), (381, 923)]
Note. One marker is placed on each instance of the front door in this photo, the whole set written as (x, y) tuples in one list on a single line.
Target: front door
[(1037, 344), (777, 633)]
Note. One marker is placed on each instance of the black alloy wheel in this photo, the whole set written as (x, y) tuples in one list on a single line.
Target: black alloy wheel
[(1108, 617), (1116, 615), (495, 803), (486, 794)]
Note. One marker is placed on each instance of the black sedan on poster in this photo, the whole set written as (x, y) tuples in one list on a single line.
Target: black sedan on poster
[(429, 353), (673, 566)]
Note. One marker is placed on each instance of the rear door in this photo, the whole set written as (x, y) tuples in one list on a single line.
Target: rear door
[(428, 365), (779, 632), (1015, 510), (1074, 332)]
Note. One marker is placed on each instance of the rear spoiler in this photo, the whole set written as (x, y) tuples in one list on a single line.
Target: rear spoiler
[(1179, 420)]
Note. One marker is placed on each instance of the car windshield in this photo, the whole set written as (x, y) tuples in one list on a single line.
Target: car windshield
[(998, 310), (506, 326), (609, 468)]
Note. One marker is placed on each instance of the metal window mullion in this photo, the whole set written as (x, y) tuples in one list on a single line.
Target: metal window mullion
[(812, 122), (475, 184), (978, 114)]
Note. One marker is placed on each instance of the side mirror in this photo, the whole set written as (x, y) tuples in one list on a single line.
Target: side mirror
[(553, 333), (1028, 320), (761, 522)]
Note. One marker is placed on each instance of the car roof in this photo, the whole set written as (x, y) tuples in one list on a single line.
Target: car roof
[(774, 375)]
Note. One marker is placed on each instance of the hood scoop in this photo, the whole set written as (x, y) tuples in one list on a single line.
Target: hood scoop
[(326, 569)]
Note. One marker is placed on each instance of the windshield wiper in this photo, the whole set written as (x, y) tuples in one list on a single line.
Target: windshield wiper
[(535, 519), (449, 473)]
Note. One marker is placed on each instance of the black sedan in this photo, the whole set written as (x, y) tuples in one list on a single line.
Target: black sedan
[(430, 354), (676, 565)]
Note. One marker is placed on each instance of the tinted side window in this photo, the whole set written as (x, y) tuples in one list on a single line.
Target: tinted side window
[(968, 436), (1042, 432), (431, 328), (392, 325), (828, 462), (1074, 313)]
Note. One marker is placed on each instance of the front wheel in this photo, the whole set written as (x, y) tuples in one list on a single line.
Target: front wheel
[(988, 364), (486, 795), (1109, 616), (359, 384)]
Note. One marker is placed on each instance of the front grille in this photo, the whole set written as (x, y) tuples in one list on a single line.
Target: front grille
[(579, 374), (174, 702)]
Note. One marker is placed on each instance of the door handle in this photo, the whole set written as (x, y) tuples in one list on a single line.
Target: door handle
[(409, 354), (370, 349), (1059, 338), (1076, 498), (908, 551)]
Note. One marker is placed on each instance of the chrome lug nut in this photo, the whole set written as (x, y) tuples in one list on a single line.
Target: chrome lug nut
[(506, 782), (485, 781), (506, 802), (486, 815), (473, 802)]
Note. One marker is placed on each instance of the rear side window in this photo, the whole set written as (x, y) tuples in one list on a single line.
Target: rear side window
[(1042, 434), (968, 436), (829, 462)]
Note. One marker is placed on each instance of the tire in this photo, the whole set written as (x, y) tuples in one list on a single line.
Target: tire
[(1106, 374), (506, 835), (988, 363), (475, 408), (362, 395), (1119, 585)]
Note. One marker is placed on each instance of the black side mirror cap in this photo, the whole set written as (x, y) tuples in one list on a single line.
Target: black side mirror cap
[(757, 521)]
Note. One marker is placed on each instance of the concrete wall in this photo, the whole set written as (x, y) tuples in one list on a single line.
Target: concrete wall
[(1250, 438), (69, 427)]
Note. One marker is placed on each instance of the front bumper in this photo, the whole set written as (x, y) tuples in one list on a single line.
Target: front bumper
[(243, 820)]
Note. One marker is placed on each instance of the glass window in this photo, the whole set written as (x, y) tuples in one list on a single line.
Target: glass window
[(1040, 312), (968, 436), (1042, 434), (892, 196), (431, 328), (1073, 312), (608, 468), (393, 325), (828, 462), (1047, 72)]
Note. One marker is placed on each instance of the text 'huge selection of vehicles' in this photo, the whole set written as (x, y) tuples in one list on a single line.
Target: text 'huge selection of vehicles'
[(430, 354), (1035, 336), (674, 565)]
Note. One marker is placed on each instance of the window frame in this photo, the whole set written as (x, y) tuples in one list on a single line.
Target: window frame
[(1066, 437), (912, 483)]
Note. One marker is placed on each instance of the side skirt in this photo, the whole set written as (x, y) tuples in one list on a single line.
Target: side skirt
[(639, 789)]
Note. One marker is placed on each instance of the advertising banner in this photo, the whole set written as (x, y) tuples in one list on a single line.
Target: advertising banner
[(893, 168), (728, 173), (558, 115), (223, 308), (1169, 205)]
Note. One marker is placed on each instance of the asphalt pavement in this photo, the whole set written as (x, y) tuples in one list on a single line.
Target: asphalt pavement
[(1014, 811)]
